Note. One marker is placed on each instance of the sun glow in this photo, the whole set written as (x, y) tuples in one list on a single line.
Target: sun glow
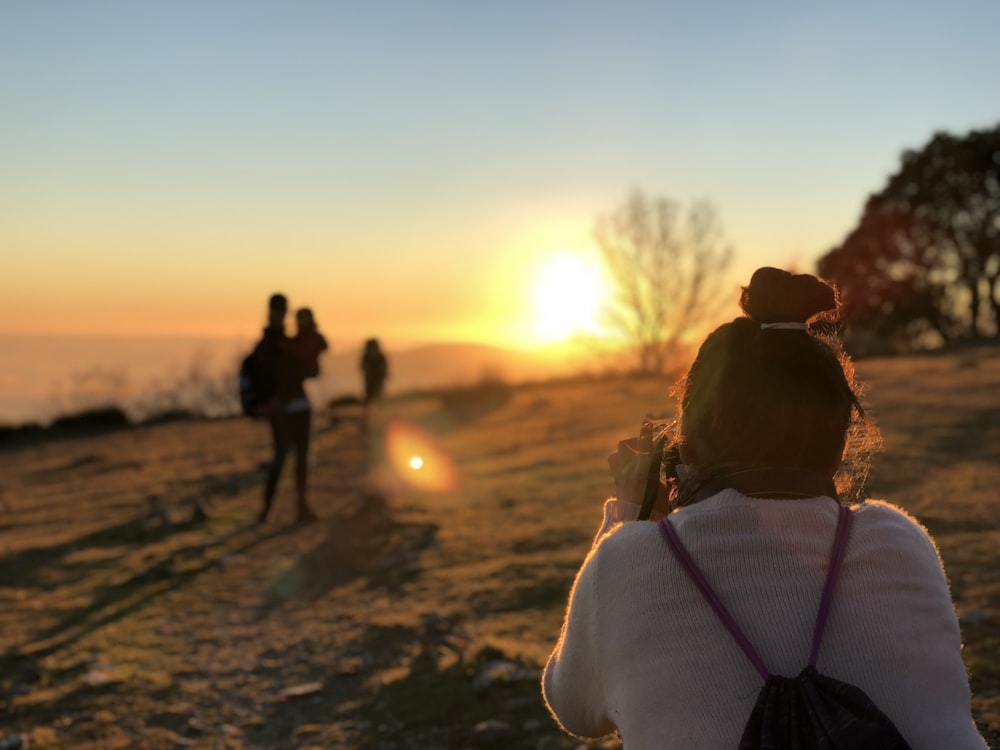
[(569, 294)]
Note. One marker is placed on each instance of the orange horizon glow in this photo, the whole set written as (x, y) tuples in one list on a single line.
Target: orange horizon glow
[(535, 292)]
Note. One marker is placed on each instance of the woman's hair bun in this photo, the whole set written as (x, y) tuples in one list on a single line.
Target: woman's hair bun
[(776, 296)]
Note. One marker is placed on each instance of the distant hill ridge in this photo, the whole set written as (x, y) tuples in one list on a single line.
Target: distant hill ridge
[(444, 364), (46, 376)]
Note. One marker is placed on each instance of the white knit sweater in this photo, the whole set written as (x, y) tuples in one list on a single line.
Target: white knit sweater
[(641, 651)]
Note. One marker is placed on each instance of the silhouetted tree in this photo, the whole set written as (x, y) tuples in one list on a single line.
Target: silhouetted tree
[(925, 256), (667, 269)]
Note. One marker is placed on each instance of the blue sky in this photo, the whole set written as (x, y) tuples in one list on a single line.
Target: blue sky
[(164, 165)]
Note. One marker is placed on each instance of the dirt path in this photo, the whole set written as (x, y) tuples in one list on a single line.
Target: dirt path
[(132, 620)]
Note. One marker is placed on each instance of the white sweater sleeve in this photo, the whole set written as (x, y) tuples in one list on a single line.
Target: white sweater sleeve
[(572, 681)]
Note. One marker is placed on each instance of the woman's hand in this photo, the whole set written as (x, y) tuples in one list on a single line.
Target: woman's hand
[(630, 466)]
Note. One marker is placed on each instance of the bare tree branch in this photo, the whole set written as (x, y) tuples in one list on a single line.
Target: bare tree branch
[(667, 269)]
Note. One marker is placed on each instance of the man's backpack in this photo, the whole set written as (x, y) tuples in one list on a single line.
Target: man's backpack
[(251, 386), (810, 711)]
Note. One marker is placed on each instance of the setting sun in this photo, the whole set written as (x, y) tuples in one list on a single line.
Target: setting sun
[(569, 293)]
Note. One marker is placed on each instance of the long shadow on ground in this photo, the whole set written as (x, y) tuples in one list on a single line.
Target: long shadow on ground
[(366, 542), (114, 602), (38, 566), (416, 690)]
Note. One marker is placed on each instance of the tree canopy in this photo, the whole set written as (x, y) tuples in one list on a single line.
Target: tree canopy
[(923, 264)]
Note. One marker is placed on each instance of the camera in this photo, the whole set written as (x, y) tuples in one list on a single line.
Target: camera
[(663, 464), (665, 439)]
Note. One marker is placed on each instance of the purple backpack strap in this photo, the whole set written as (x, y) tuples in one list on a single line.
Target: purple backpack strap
[(684, 558), (844, 521), (698, 578)]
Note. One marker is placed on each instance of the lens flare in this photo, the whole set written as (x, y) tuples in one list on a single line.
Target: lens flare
[(418, 458)]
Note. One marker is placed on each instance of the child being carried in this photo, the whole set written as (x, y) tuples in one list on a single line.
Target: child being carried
[(308, 342)]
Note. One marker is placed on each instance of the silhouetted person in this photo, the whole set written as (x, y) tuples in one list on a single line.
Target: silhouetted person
[(288, 409), (308, 342), (375, 369)]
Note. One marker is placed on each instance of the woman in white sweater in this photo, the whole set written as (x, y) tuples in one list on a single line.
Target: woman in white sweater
[(771, 425)]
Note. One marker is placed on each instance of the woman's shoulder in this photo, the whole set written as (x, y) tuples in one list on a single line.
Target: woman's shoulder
[(626, 551), (884, 513), (629, 539), (889, 527)]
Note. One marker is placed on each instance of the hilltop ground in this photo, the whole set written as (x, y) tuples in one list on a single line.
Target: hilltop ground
[(127, 619)]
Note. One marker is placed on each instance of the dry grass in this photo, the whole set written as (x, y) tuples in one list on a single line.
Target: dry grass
[(127, 620)]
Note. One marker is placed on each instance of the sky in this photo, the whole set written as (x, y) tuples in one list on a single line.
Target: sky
[(416, 170)]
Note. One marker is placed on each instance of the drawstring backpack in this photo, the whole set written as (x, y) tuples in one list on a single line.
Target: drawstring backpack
[(810, 711)]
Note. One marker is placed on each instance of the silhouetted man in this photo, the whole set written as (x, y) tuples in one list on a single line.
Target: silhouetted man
[(288, 409)]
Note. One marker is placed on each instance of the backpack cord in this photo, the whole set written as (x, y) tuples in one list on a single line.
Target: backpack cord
[(833, 574), (674, 542)]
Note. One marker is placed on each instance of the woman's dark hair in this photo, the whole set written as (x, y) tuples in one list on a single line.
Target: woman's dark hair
[(779, 395)]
